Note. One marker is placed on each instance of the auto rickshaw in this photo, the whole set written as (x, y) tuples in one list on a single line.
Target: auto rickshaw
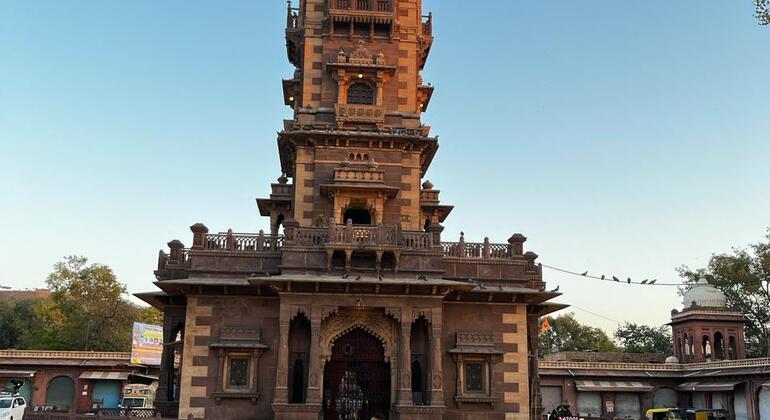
[(664, 414), (709, 414)]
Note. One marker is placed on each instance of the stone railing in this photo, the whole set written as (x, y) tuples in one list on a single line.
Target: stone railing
[(364, 236), (363, 5), (488, 250), (356, 113), (760, 362), (49, 354), (230, 241), (484, 250), (103, 414), (358, 175)]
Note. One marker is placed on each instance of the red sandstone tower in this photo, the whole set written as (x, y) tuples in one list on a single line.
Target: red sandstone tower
[(352, 304)]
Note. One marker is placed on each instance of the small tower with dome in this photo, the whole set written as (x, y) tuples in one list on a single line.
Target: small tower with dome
[(706, 329)]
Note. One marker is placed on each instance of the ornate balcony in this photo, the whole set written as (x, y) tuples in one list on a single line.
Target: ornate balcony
[(354, 113), (360, 237), (383, 6)]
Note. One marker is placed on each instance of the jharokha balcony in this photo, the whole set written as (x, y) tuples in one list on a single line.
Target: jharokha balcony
[(345, 248)]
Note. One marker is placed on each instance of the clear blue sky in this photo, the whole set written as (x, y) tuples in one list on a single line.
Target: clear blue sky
[(621, 137)]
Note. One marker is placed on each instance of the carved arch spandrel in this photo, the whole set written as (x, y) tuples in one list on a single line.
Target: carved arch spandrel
[(374, 322), (296, 310)]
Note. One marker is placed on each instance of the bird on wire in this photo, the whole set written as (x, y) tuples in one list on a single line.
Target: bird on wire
[(584, 274), (644, 281), (653, 282), (629, 280), (602, 276), (615, 278)]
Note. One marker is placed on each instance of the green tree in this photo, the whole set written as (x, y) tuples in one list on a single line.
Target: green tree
[(88, 310), (19, 321), (636, 338), (763, 11), (744, 277), (149, 315), (567, 334)]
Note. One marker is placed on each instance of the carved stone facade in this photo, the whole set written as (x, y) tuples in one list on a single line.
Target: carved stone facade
[(352, 306)]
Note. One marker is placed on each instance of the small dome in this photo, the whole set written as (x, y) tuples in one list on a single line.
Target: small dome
[(703, 293), (671, 360)]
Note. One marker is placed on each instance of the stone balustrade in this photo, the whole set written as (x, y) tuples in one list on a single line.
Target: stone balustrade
[(363, 5), (355, 113), (380, 235), (53, 354), (230, 241), (727, 364), (358, 175), (487, 250)]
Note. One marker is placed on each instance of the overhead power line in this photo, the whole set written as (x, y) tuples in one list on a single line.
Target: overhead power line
[(612, 278)]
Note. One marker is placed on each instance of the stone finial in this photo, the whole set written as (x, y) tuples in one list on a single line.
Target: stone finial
[(427, 185), (517, 243), (283, 179), (531, 257), (199, 231), (345, 163), (371, 164), (341, 57), (176, 243)]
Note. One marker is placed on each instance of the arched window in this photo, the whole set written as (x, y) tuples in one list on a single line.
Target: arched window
[(719, 346), (361, 93), (732, 348)]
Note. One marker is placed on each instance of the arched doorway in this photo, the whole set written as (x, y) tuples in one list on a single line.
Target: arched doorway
[(61, 393), (356, 378)]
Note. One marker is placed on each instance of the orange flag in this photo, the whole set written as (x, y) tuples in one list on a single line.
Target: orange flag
[(545, 327)]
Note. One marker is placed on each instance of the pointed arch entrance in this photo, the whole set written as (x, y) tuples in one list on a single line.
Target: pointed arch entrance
[(356, 378)]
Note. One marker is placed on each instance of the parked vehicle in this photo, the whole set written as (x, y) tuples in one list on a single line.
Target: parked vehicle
[(698, 414), (138, 396), (12, 406), (664, 414)]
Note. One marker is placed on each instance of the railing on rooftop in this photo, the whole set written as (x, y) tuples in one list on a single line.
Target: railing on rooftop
[(230, 241), (364, 5), (379, 235), (51, 354), (724, 364)]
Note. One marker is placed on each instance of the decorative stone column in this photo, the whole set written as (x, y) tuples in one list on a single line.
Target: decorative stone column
[(436, 372), (314, 364), (405, 364), (282, 371)]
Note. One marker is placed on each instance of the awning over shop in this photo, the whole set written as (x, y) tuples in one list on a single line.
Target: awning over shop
[(708, 386), (613, 386), (105, 376), (13, 374)]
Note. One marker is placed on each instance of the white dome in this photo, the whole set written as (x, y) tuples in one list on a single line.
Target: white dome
[(672, 360), (704, 294)]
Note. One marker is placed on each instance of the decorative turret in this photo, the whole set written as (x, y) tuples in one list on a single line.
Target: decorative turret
[(706, 329)]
